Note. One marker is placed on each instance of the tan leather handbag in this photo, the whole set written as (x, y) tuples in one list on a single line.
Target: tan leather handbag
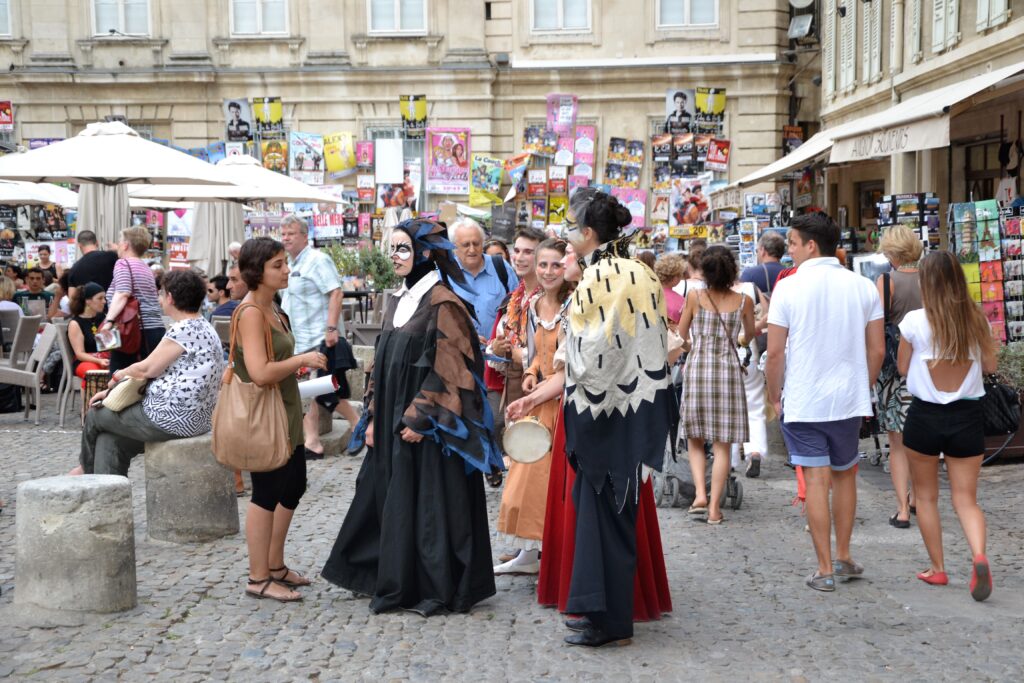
[(250, 424)]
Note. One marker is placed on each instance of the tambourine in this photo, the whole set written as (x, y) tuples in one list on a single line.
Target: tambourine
[(527, 440)]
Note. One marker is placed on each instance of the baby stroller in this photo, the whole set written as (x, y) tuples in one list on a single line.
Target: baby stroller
[(673, 488)]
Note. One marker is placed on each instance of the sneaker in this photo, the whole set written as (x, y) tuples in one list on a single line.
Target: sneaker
[(754, 467), (825, 584), (846, 569)]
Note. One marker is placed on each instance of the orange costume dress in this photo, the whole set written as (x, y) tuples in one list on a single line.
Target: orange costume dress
[(524, 500)]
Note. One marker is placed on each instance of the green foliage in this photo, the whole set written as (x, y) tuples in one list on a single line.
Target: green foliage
[(345, 260), (1011, 364), (368, 263)]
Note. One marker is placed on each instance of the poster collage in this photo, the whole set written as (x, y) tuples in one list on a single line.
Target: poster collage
[(987, 240)]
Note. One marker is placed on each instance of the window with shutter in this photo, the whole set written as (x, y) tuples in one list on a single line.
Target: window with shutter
[(952, 23), (876, 41), (981, 16), (938, 25), (998, 12), (915, 31), (867, 24), (130, 17), (829, 50), (5, 17), (848, 48)]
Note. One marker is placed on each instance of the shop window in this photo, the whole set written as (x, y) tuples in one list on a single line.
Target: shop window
[(126, 17), (673, 14), (398, 16), (560, 15), (871, 42), (259, 17), (991, 13), (945, 24), (5, 18)]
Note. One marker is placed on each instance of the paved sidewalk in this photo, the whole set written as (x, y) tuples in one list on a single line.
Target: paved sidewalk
[(741, 609)]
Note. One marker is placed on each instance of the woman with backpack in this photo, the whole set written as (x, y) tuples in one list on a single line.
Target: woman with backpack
[(900, 291)]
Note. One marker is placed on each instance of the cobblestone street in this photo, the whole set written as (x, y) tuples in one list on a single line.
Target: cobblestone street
[(741, 608)]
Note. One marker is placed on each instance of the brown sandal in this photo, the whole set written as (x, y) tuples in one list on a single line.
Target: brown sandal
[(302, 581), (262, 593)]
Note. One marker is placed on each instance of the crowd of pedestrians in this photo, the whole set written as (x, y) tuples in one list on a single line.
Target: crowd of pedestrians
[(613, 355)]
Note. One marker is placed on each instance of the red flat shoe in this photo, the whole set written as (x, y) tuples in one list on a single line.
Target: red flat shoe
[(935, 579), (981, 579)]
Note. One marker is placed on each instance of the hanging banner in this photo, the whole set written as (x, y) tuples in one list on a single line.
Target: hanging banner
[(448, 152), (237, 116), (339, 155), (484, 180), (275, 155), (562, 113), (269, 115), (414, 115), (306, 157)]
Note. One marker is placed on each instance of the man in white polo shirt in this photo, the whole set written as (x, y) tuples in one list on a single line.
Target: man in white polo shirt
[(826, 343)]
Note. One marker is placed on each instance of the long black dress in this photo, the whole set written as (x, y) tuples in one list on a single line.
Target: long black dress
[(416, 535)]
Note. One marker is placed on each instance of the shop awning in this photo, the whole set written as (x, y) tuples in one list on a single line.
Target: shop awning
[(802, 156), (921, 122)]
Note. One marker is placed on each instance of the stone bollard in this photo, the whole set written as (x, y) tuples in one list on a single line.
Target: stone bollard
[(190, 497), (75, 540)]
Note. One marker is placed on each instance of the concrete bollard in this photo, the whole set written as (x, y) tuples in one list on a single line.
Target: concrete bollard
[(190, 497), (75, 544)]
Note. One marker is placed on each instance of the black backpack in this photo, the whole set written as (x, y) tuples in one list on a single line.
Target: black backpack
[(499, 268)]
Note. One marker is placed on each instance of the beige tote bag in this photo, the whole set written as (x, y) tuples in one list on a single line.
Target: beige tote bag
[(250, 424)]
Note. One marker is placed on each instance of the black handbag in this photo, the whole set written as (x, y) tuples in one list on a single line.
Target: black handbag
[(1000, 407), (892, 336)]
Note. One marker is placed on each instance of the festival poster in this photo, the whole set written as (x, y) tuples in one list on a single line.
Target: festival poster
[(661, 147), (485, 180), (575, 181), (275, 155), (234, 149), (414, 115), (710, 111), (679, 110), (701, 143), (537, 182), (558, 179), (616, 150), (215, 151), (630, 176), (563, 155), (561, 109), (405, 194), (339, 155), (200, 153), (269, 115), (364, 155), (365, 188), (659, 209), (634, 153), (532, 139), (585, 146), (7, 116), (682, 146), (365, 226), (792, 137), (538, 211), (237, 120), (636, 201), (557, 208), (448, 151), (515, 168), (718, 156), (688, 205), (584, 171), (306, 153), (613, 174)]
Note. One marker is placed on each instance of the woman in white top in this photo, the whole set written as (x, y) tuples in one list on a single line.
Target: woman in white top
[(944, 349)]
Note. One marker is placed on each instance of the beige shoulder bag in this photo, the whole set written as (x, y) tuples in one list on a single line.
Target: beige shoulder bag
[(250, 423)]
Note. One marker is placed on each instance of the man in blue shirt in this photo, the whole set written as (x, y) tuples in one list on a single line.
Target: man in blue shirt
[(486, 288), (770, 248)]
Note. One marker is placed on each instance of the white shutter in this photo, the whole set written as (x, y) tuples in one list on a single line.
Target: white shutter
[(997, 12), (952, 23), (848, 49), (915, 30), (982, 15), (876, 40), (865, 39), (829, 51), (938, 25)]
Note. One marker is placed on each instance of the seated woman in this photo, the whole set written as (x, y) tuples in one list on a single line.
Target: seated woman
[(87, 310), (184, 371)]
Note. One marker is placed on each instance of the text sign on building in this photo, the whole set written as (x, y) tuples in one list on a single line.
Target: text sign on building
[(909, 137)]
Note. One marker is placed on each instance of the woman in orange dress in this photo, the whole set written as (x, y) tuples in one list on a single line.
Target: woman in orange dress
[(524, 500)]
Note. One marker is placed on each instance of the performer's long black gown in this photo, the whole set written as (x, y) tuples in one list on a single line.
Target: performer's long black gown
[(416, 535)]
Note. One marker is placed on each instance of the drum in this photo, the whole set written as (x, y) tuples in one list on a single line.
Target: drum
[(95, 382), (526, 440)]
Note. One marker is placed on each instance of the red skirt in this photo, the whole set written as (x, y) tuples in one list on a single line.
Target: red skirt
[(651, 597)]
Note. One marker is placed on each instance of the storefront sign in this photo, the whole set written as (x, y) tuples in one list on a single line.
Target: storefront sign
[(909, 137)]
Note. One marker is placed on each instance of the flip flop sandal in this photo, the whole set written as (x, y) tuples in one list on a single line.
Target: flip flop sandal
[(303, 581), (698, 510), (261, 594)]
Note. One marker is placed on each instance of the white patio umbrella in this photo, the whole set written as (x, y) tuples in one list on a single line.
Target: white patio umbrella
[(104, 210), (216, 225), (250, 183), (21, 192)]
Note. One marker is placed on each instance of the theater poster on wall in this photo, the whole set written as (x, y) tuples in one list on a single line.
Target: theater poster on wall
[(561, 112), (306, 157), (6, 116), (710, 111), (679, 110), (339, 155), (414, 115), (269, 115), (448, 151), (238, 120)]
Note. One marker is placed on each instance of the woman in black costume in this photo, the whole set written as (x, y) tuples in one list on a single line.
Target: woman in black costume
[(416, 535)]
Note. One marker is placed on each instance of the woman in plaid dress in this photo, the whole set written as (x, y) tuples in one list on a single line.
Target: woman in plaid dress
[(714, 402)]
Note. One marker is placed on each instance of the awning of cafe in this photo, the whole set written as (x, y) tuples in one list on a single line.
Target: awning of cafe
[(920, 122)]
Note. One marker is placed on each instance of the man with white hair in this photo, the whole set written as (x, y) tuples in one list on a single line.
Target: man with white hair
[(233, 250), (313, 304), (488, 279)]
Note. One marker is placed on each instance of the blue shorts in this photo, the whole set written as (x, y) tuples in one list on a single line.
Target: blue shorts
[(823, 444)]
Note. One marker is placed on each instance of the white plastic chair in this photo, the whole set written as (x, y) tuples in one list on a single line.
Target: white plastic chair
[(22, 341), (69, 383), (31, 376)]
